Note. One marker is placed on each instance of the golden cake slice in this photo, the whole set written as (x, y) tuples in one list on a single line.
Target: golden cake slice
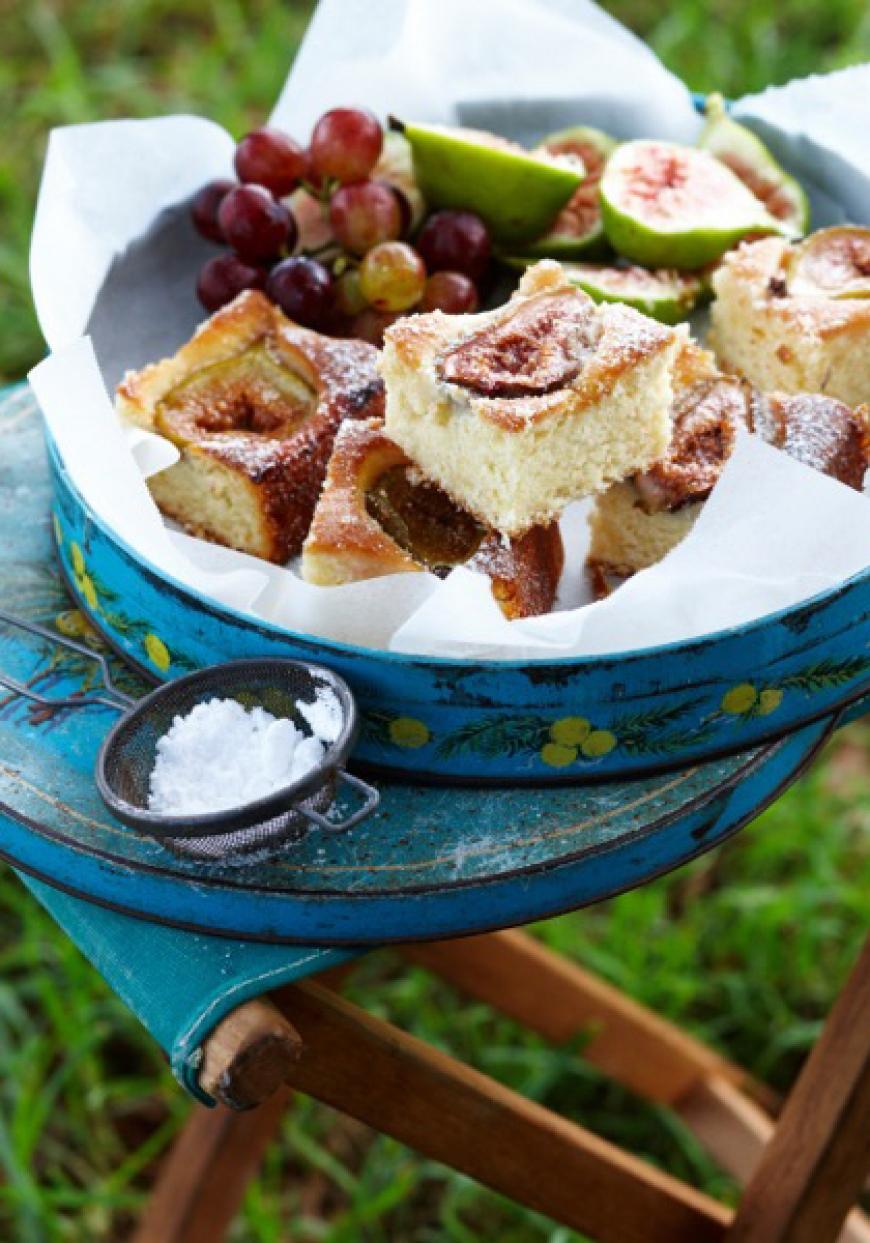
[(518, 411), (376, 515), (252, 402), (636, 522), (782, 329)]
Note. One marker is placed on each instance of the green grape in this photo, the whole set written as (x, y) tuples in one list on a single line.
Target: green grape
[(349, 298), (392, 277)]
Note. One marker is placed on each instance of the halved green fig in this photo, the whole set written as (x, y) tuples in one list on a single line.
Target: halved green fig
[(670, 206), (396, 166), (747, 156), (832, 263), (517, 194), (577, 232), (666, 295)]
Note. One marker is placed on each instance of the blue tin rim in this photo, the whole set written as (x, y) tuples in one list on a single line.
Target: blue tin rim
[(483, 664), (747, 763), (384, 772)]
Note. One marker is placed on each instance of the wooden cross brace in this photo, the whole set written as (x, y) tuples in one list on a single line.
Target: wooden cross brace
[(801, 1174)]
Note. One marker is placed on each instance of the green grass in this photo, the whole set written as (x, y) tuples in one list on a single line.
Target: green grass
[(747, 947)]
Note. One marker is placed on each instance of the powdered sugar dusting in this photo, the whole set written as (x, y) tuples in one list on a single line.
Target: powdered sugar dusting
[(324, 715), (817, 430), (221, 755)]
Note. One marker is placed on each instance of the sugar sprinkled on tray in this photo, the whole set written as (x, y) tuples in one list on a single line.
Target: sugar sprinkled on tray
[(222, 755)]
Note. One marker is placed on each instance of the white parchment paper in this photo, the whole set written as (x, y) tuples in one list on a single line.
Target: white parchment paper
[(114, 260)]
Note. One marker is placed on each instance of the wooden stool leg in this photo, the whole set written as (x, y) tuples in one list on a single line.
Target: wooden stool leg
[(717, 1100), (404, 1088), (203, 1179), (245, 1059), (518, 976), (814, 1166), (245, 1064), (247, 1055), (734, 1130)]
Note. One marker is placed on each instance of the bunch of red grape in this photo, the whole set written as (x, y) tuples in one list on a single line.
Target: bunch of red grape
[(327, 238)]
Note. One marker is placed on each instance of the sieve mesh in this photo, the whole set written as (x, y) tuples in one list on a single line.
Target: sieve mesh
[(237, 834)]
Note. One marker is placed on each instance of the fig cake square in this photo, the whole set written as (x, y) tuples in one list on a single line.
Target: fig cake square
[(796, 316), (636, 522), (252, 402), (516, 412), (376, 515)]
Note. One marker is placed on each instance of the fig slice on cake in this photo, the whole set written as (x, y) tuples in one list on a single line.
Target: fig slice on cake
[(832, 263)]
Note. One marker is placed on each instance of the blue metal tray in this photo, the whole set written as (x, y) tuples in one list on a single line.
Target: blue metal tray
[(571, 720), (430, 863)]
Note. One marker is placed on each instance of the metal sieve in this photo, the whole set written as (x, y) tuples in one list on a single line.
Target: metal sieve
[(238, 834)]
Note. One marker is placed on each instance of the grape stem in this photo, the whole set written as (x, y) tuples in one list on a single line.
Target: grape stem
[(322, 193)]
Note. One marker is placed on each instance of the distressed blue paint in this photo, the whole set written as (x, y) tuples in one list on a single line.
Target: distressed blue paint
[(856, 710), (298, 899), (493, 720)]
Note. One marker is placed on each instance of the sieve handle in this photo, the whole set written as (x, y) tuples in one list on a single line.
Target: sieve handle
[(113, 698), (72, 701), (371, 799)]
